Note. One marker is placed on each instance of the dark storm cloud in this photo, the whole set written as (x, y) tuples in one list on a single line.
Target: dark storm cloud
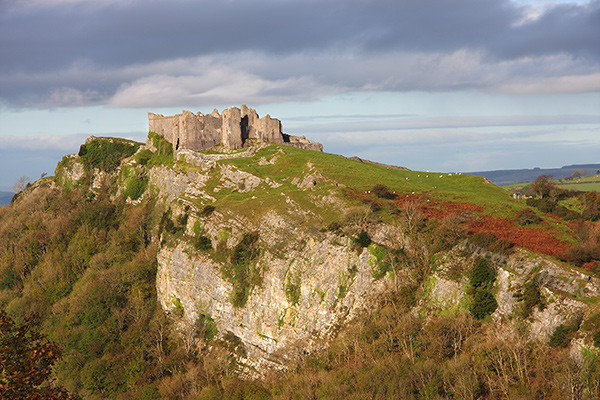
[(78, 53)]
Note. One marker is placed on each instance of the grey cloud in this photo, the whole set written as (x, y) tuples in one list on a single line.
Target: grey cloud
[(414, 124), (96, 52)]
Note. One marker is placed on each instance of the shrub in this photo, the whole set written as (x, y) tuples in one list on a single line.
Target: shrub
[(596, 338), (135, 187), (451, 229), (382, 191), (562, 335), (565, 213), (372, 204), (206, 327), (246, 249), (484, 304), (202, 243), (380, 264), (178, 309), (167, 225), (363, 239), (482, 278), (530, 297), (334, 226), (106, 154), (591, 200), (528, 217), (559, 336), (240, 271), (143, 157), (578, 255), (164, 150), (544, 205), (8, 278), (483, 275)]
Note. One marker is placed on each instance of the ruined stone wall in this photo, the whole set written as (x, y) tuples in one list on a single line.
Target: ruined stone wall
[(269, 130), (162, 125), (197, 131), (200, 132), (231, 129)]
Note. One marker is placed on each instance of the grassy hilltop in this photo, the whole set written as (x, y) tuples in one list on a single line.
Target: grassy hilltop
[(80, 249)]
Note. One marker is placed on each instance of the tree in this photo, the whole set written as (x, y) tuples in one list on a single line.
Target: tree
[(26, 359), (21, 184), (543, 187)]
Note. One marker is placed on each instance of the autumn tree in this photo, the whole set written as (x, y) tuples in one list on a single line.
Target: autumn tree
[(543, 187), (26, 359)]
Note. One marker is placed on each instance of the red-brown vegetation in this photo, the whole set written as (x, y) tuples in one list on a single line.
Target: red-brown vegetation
[(537, 239)]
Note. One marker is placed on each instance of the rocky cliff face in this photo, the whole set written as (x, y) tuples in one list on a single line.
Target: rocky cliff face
[(310, 281), (249, 243)]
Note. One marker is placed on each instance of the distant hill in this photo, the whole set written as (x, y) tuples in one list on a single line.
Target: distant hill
[(5, 198), (508, 176)]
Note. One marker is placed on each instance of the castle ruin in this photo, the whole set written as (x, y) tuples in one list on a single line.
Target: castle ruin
[(234, 129)]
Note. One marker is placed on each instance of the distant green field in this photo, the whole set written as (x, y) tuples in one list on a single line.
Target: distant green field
[(587, 184)]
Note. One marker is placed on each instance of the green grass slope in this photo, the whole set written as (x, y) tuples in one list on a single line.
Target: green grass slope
[(295, 163)]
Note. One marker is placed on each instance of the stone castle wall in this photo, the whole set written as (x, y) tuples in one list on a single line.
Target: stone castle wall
[(231, 129)]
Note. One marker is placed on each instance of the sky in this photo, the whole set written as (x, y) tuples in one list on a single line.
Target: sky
[(441, 85)]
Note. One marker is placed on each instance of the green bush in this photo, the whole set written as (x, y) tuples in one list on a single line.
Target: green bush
[(484, 304), (164, 150), (545, 205), (382, 192), (483, 275), (363, 239), (178, 309), (8, 278), (206, 327), (566, 214), (143, 157), (135, 187), (562, 335), (106, 154), (240, 271), (530, 296), (528, 217), (202, 243), (380, 265)]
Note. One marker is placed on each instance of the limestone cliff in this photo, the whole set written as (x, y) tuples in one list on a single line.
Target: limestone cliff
[(264, 245), (311, 282)]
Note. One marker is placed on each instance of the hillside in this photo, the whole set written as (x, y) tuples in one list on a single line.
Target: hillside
[(278, 272)]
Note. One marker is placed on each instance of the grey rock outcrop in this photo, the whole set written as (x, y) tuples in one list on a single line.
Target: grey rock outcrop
[(333, 281), (232, 130)]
